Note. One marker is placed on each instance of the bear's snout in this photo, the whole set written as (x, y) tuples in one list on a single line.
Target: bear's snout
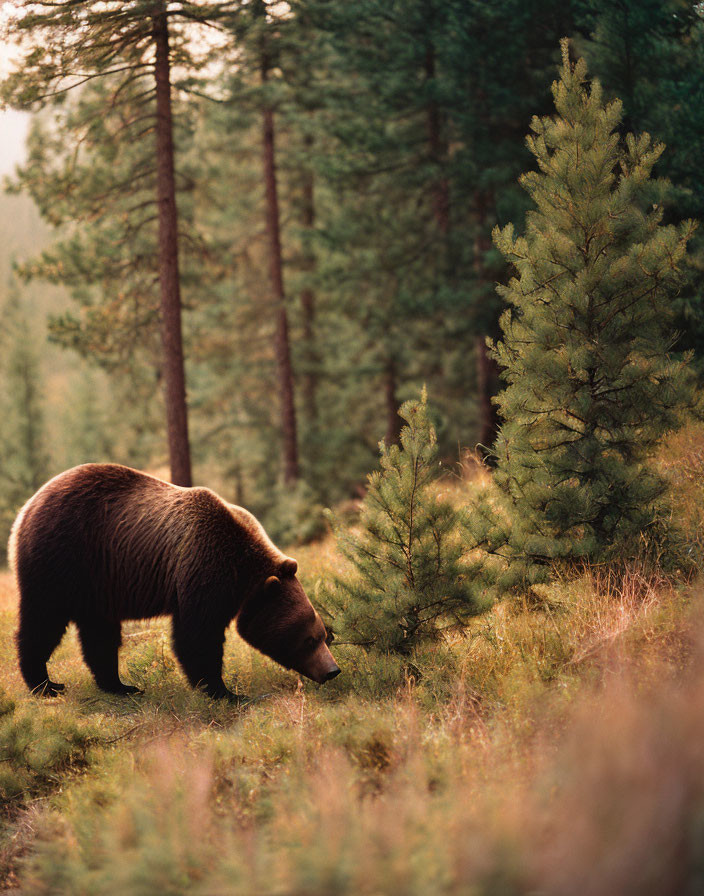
[(321, 666)]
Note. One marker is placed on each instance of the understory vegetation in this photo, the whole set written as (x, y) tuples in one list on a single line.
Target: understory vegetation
[(553, 743)]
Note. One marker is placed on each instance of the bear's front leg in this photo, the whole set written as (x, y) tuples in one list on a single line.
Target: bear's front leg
[(100, 641), (199, 649)]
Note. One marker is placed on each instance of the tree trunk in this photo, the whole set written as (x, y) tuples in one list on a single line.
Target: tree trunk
[(441, 193), (487, 385), (310, 377), (281, 339), (394, 423), (488, 373), (172, 341)]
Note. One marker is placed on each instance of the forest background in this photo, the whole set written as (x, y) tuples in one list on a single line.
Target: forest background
[(397, 132)]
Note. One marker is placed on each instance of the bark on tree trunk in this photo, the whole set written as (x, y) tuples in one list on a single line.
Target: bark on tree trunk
[(487, 384), (394, 422), (281, 340), (310, 377), (171, 334), (488, 373), (441, 193)]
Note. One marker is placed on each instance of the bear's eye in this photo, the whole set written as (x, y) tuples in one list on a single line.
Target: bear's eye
[(310, 642), (329, 637)]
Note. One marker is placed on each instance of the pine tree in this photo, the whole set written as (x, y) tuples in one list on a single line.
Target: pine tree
[(497, 57), (639, 50), (591, 385), (387, 238), (245, 206), (431, 101), (650, 53), (410, 579), (305, 62), (128, 50), (265, 55), (105, 250)]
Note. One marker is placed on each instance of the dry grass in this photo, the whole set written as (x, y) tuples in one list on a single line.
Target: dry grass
[(682, 463), (504, 770), (603, 795), (553, 748), (8, 592)]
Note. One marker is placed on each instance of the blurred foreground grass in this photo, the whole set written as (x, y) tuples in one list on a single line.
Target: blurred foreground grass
[(555, 748)]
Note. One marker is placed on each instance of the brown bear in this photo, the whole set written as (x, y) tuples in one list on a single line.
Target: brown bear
[(101, 543)]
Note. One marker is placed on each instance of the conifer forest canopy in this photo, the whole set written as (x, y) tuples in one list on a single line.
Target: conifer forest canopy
[(245, 233)]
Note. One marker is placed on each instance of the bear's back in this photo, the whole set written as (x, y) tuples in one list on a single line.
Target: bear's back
[(63, 508), (108, 533)]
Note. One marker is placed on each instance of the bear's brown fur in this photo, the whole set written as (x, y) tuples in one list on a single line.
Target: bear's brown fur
[(101, 543)]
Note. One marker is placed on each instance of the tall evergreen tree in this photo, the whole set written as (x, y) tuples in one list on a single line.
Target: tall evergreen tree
[(265, 54), (268, 221), (431, 102), (242, 201), (130, 48), (639, 50), (651, 55), (498, 60), (391, 232), (591, 384), (305, 63)]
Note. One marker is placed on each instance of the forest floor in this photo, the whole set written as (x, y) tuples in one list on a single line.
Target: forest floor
[(555, 747)]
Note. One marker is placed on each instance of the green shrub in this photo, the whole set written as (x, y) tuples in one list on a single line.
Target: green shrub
[(38, 748)]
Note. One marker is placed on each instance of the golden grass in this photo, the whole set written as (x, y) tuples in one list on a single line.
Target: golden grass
[(599, 792), (8, 592), (552, 748), (681, 461), (436, 786)]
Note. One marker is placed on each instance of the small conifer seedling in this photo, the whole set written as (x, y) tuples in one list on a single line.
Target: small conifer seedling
[(410, 579)]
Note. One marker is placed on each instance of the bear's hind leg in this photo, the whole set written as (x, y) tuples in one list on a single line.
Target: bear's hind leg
[(37, 638), (200, 655), (100, 642)]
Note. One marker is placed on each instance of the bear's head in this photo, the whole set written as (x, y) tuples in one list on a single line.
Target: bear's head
[(280, 621)]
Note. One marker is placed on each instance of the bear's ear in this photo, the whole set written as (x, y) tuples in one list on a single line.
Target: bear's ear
[(289, 567), (271, 581)]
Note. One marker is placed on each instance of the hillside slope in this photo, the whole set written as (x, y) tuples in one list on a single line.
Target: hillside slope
[(554, 748)]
